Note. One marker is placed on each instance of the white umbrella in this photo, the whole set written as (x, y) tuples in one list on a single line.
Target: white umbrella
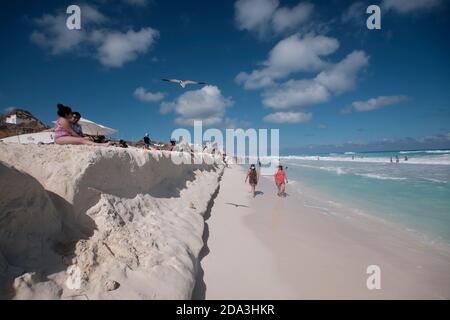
[(94, 129)]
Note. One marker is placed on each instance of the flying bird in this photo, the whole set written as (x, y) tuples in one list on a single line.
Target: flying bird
[(183, 83)]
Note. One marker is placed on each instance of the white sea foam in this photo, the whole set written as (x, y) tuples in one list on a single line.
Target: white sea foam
[(435, 160), (380, 176)]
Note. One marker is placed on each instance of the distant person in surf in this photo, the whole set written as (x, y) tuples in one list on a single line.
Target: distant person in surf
[(397, 160), (252, 176), (280, 181)]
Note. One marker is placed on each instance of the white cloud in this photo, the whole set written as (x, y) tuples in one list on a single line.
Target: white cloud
[(288, 117), (295, 93), (286, 18), (336, 79), (55, 36), (290, 55), (375, 103), (91, 15), (355, 13), (254, 15), (206, 104), (146, 96), (341, 77), (265, 16), (117, 48), (111, 48), (407, 6)]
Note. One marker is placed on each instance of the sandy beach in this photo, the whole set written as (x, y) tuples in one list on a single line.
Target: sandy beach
[(80, 222), (100, 222), (307, 247)]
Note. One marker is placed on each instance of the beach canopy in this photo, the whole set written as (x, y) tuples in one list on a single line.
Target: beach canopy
[(94, 129)]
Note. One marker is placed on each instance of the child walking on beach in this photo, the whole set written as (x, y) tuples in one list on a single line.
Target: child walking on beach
[(280, 181), (252, 176)]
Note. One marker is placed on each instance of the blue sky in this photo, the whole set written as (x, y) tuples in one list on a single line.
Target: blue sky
[(311, 69)]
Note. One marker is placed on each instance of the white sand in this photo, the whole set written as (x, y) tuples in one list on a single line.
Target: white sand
[(305, 247), (80, 222)]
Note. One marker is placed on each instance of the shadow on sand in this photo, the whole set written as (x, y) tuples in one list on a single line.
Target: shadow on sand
[(199, 292)]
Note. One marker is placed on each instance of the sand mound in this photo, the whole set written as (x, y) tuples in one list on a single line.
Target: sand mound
[(100, 223)]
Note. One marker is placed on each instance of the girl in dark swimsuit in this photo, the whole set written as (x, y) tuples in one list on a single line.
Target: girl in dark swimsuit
[(252, 176)]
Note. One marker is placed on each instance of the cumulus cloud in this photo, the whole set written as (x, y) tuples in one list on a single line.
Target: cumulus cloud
[(355, 13), (408, 6), (295, 93), (336, 79), (290, 55), (285, 19), (288, 117), (374, 103), (117, 48), (206, 104), (111, 48), (341, 77), (145, 96), (265, 16), (54, 35)]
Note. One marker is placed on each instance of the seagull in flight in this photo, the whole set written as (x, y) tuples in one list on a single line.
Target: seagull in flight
[(183, 83)]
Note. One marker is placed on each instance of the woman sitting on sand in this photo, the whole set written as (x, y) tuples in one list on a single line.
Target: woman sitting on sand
[(64, 133), (280, 180), (252, 176)]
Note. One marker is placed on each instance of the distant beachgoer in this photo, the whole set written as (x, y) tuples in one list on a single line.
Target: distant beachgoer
[(280, 181), (123, 144), (64, 133), (76, 116), (406, 158), (391, 160), (318, 158), (147, 141), (252, 176), (353, 157), (397, 160)]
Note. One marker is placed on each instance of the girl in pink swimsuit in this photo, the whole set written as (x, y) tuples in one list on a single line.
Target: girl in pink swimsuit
[(64, 134), (280, 181)]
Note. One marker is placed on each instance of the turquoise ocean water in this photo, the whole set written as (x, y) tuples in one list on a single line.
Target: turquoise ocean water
[(414, 193)]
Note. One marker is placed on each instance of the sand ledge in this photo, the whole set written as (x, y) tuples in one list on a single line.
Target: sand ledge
[(100, 223)]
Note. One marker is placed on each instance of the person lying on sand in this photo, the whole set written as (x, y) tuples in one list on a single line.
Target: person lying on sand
[(280, 181), (64, 133), (252, 176)]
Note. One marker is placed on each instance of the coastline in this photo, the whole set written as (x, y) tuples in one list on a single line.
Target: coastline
[(130, 224), (313, 249)]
